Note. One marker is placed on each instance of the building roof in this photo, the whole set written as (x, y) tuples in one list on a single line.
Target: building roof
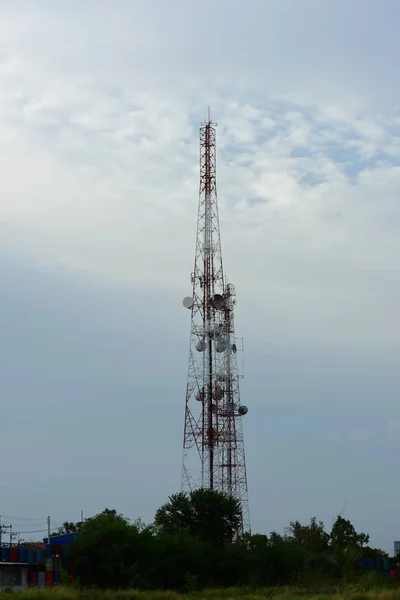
[(66, 538)]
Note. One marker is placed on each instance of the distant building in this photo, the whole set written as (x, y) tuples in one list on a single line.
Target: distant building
[(396, 548), (13, 576)]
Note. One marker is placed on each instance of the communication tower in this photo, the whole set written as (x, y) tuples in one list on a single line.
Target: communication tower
[(213, 448)]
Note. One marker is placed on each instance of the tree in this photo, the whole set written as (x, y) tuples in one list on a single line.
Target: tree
[(68, 527), (346, 546), (207, 514), (190, 547), (183, 562), (108, 550), (312, 537), (368, 552), (344, 535)]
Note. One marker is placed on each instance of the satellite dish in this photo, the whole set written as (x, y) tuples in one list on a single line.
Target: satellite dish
[(234, 348), (243, 410), (217, 301), (200, 345), (220, 346), (199, 395), (188, 302)]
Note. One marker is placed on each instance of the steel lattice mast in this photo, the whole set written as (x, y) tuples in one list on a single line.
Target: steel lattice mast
[(213, 449)]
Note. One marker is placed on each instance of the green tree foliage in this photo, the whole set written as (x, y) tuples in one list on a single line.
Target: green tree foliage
[(347, 548), (191, 546), (181, 561), (107, 551), (344, 535), (312, 537), (68, 527), (207, 514), (273, 560)]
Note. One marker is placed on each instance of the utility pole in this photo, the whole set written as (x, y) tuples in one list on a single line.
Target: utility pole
[(4, 529), (48, 530), (13, 536)]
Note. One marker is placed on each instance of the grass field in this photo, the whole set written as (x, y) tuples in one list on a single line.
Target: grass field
[(352, 592)]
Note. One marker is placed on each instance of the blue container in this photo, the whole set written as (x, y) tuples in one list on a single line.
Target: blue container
[(23, 555), (41, 578), (49, 551), (40, 556), (31, 555), (66, 538), (5, 554), (386, 564), (372, 563), (57, 577), (365, 563)]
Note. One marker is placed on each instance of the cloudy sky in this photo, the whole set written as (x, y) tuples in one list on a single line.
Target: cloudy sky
[(100, 105)]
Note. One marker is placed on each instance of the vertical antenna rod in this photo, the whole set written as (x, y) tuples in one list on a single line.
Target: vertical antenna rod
[(213, 450)]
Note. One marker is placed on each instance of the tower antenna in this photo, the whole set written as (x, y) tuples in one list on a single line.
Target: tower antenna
[(213, 448)]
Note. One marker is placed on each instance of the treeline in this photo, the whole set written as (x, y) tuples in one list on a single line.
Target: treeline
[(191, 545)]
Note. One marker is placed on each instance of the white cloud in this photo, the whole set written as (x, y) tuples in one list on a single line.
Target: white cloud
[(99, 141), (100, 105)]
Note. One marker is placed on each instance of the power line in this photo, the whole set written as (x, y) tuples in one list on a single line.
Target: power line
[(24, 518), (32, 531), (31, 520)]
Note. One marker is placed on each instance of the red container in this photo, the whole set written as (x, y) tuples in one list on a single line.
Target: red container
[(49, 578), (57, 550), (14, 555), (32, 577), (393, 574)]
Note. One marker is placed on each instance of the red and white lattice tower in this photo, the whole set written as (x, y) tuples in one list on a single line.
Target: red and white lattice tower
[(213, 449)]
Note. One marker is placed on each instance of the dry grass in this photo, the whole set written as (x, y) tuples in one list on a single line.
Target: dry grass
[(353, 592)]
